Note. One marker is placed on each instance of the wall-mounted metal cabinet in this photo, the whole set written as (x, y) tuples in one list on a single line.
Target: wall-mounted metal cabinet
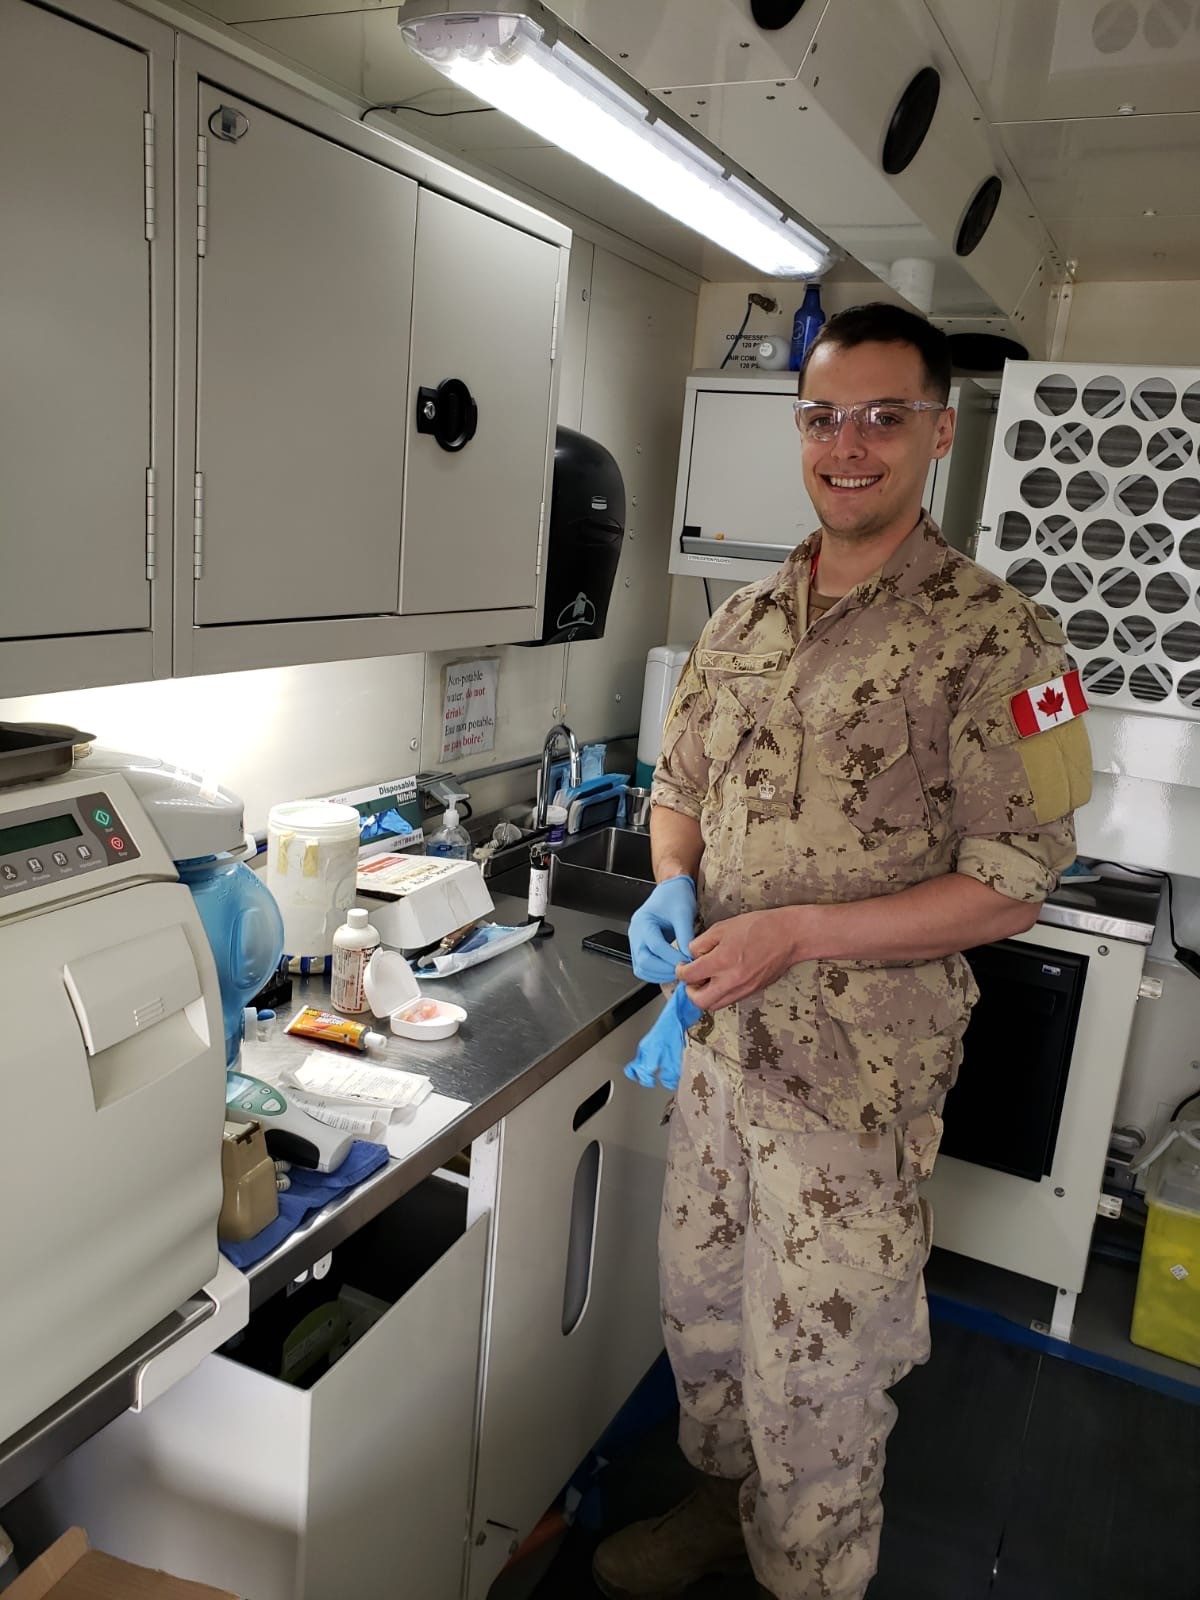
[(85, 345), (335, 286), (740, 505), (327, 280)]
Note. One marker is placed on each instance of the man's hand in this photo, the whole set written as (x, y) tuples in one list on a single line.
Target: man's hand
[(669, 914), (738, 957)]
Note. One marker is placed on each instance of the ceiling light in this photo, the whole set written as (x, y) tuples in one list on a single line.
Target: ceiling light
[(589, 108)]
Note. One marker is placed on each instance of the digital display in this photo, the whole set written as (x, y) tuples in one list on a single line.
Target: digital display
[(32, 835)]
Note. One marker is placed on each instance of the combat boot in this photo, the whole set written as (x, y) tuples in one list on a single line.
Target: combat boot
[(664, 1556)]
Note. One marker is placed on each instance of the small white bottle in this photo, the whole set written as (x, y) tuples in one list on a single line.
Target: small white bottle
[(450, 839), (353, 944)]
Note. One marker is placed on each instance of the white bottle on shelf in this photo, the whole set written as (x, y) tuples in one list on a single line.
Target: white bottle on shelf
[(353, 944)]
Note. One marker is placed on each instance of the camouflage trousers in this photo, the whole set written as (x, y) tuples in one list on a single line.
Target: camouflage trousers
[(792, 1300)]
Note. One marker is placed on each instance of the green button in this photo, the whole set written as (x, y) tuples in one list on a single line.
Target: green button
[(104, 818)]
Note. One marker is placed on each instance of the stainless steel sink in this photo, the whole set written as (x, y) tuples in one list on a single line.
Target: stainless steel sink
[(608, 870)]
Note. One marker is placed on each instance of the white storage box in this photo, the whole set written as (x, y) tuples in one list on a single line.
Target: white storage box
[(416, 900), (356, 1487)]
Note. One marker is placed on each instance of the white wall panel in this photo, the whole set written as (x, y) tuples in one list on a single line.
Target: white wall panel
[(276, 734), (639, 351)]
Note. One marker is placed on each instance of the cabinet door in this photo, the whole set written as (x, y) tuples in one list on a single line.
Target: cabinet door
[(484, 304), (574, 1318), (75, 328), (304, 301)]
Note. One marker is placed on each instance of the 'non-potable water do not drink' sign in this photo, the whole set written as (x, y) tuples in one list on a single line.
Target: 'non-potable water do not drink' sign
[(469, 708)]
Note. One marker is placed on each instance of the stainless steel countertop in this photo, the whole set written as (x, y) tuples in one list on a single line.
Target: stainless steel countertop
[(1122, 905), (530, 1013)]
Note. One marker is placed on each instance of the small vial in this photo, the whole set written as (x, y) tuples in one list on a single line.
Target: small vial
[(539, 888)]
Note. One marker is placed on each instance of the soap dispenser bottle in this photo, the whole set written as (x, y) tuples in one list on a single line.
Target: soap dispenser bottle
[(806, 324), (450, 839)]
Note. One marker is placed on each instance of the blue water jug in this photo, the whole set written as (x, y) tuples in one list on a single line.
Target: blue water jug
[(806, 324), (245, 931)]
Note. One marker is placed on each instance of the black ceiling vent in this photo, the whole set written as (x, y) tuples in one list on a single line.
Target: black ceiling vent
[(772, 14), (910, 120), (984, 353), (978, 215)]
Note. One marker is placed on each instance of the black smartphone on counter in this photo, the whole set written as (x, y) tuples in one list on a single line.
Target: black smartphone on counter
[(610, 943)]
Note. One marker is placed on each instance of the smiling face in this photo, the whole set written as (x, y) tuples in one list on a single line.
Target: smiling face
[(872, 489)]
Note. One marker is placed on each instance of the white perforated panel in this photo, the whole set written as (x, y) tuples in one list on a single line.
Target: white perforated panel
[(1093, 509)]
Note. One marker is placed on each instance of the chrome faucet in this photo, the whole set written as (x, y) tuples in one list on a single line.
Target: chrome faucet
[(558, 732)]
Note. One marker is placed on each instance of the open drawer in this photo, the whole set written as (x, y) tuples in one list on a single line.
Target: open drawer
[(356, 1485)]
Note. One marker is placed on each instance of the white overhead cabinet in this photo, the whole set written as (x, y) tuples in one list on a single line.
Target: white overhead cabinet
[(85, 285), (366, 387), (485, 303), (740, 502), (217, 455), (302, 312)]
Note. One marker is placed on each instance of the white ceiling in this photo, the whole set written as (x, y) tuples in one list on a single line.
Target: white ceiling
[(1097, 105), (1033, 88)]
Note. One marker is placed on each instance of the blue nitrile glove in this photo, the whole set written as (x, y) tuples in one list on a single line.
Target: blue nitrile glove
[(669, 913), (660, 1054)]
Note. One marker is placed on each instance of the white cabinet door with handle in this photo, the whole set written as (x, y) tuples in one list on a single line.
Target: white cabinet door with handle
[(480, 410)]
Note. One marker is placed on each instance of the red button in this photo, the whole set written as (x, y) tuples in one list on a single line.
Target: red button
[(116, 842)]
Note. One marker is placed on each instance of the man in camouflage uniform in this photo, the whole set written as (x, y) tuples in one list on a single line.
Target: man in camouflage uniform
[(843, 778)]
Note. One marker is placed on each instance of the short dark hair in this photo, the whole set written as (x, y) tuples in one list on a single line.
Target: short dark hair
[(881, 323)]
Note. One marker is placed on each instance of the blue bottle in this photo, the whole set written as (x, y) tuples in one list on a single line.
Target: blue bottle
[(806, 324), (245, 931)]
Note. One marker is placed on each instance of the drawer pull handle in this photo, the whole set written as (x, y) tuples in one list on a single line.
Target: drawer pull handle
[(588, 1108), (582, 1238)]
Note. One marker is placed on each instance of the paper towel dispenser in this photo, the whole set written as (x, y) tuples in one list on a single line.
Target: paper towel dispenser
[(587, 524)]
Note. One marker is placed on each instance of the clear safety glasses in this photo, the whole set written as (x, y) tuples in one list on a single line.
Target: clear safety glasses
[(874, 419)]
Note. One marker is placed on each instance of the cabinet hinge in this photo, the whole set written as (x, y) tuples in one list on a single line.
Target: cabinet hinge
[(201, 195), (151, 527), (554, 329), (541, 532), (198, 526), (148, 161)]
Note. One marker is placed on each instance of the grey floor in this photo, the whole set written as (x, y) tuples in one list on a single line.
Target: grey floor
[(1010, 1476)]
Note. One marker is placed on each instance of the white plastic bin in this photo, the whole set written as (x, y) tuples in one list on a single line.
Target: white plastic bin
[(356, 1487), (312, 859)]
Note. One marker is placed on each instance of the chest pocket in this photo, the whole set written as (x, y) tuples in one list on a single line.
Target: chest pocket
[(741, 699), (868, 759)]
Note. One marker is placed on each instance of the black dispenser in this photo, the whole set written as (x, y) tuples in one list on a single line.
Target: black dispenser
[(587, 524)]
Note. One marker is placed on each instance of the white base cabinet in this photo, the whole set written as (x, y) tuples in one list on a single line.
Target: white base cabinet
[(357, 1487), (573, 1306)]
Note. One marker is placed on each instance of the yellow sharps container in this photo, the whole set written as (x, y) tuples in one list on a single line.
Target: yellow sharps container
[(1166, 1310)]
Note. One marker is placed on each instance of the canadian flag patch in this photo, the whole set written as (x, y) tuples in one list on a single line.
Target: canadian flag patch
[(1048, 705)]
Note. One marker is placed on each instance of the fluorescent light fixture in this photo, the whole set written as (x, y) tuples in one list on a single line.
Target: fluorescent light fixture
[(553, 89)]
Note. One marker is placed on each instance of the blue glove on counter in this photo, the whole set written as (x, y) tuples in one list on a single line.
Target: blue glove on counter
[(660, 1055), (669, 913)]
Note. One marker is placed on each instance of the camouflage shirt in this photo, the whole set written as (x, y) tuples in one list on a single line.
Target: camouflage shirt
[(853, 758)]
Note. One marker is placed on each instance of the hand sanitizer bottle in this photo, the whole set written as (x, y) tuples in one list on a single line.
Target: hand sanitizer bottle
[(450, 839)]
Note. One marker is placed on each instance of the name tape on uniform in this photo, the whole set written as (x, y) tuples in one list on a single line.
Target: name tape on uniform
[(1048, 705)]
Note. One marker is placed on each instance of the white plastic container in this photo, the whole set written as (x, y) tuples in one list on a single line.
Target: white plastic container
[(664, 666), (393, 992), (417, 900), (352, 946), (312, 856)]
